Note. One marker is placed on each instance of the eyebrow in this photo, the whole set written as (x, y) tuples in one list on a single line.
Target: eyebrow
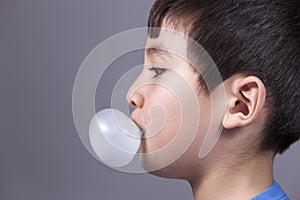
[(150, 51)]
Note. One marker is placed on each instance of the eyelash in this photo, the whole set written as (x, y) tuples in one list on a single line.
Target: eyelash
[(157, 70)]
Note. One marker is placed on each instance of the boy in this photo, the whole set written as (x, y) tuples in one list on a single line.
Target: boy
[(255, 46)]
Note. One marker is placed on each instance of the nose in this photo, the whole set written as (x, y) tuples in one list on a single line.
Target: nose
[(136, 100), (135, 94)]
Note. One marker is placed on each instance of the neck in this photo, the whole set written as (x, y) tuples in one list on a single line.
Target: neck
[(227, 182)]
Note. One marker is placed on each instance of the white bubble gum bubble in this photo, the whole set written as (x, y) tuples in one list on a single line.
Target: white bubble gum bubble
[(114, 137)]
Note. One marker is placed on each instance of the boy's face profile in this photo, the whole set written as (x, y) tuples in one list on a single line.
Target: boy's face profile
[(170, 107), (177, 114)]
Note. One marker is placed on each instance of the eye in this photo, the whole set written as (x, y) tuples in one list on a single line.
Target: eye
[(157, 70)]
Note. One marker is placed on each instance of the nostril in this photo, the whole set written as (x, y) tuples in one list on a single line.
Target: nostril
[(133, 104), (137, 100)]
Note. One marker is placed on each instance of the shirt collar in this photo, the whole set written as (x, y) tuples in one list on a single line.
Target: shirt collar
[(275, 192)]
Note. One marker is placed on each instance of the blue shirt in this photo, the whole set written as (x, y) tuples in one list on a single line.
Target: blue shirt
[(274, 192)]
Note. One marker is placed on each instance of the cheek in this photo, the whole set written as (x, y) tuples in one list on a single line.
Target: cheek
[(164, 114), (171, 132), (203, 125), (171, 141)]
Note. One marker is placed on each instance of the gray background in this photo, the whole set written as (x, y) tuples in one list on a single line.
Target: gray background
[(42, 44)]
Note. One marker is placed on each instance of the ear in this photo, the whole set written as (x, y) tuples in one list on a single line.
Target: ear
[(246, 98)]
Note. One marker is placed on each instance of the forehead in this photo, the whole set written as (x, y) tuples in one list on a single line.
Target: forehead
[(167, 44)]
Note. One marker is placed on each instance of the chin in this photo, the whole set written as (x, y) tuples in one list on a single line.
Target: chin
[(158, 167)]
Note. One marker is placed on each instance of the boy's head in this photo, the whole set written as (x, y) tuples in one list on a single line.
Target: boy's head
[(250, 37), (255, 46)]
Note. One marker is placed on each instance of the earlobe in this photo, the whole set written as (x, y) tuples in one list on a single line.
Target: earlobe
[(246, 98)]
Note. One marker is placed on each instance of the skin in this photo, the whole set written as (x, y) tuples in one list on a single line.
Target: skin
[(233, 169)]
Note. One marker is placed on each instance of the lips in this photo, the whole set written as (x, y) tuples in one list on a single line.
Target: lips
[(141, 129), (140, 126)]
